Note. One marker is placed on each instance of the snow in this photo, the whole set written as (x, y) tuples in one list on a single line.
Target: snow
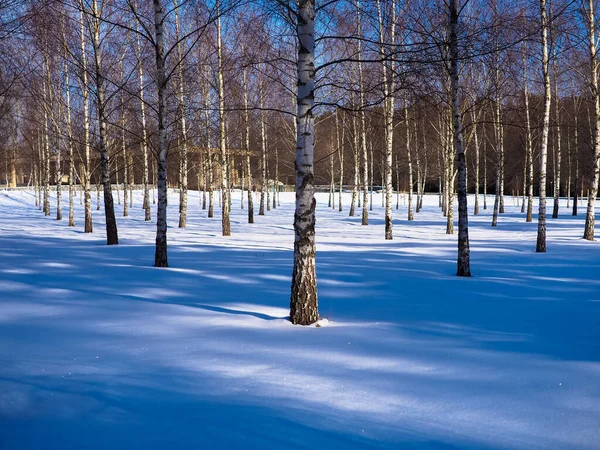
[(102, 350)]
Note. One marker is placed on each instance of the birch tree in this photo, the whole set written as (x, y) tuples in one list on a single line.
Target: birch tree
[(183, 153), (388, 105), (304, 301), (225, 204), (528, 138), (247, 147), (112, 237), (69, 139), (144, 142), (541, 232), (588, 232), (463, 261), (88, 227), (160, 256), (556, 157)]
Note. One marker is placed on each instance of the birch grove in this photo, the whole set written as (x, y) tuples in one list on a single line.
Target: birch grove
[(361, 101)]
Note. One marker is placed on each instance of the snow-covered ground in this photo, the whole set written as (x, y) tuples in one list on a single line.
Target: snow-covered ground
[(100, 350)]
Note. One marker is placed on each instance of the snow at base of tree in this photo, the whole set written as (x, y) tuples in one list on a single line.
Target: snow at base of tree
[(101, 350)]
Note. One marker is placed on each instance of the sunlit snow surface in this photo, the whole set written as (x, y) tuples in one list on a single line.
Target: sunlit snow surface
[(100, 350)]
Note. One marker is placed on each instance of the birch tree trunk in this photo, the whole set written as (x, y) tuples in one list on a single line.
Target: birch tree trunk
[(421, 168), (58, 171), (463, 261), (304, 300), (131, 179), (425, 165), (341, 159), (211, 181), (370, 175), (183, 151), (557, 155), (363, 124), (569, 169), (268, 203), (524, 200), (40, 170), (484, 171), (88, 228), (144, 143), (497, 196), (46, 146), (112, 237), (356, 164), (409, 155), (160, 256), (451, 172), (588, 232), (209, 177), (440, 178), (576, 147), (247, 145), (423, 184), (125, 166), (528, 138), (117, 180), (499, 132), (225, 204), (202, 179), (69, 140), (263, 143), (419, 173), (388, 93), (36, 187), (276, 184), (331, 200), (476, 143), (398, 184), (541, 233)]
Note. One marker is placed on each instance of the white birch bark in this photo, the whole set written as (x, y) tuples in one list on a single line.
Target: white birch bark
[(144, 143), (409, 160), (304, 301), (46, 147), (588, 232), (183, 153), (541, 232), (225, 203), (263, 153), (576, 148), (451, 174), (247, 148), (276, 184), (126, 189), (484, 171), (476, 145), (557, 155), (363, 122), (355, 192), (341, 160), (463, 260), (389, 103), (528, 138), (109, 209), (160, 256), (57, 116), (88, 228)]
